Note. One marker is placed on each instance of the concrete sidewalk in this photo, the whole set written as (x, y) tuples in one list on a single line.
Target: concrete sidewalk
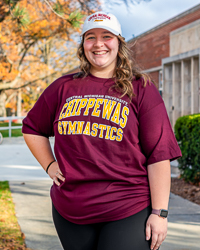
[(33, 210), (30, 188)]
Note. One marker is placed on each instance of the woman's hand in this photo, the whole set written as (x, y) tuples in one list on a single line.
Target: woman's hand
[(55, 173), (156, 229)]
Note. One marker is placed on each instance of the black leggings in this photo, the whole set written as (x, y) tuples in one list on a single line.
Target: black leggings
[(125, 234)]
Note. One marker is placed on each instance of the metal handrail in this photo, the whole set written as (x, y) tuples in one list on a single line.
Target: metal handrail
[(10, 119)]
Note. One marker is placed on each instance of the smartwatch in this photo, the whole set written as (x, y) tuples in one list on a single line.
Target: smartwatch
[(161, 212)]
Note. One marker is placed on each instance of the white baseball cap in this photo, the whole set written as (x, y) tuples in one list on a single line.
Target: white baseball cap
[(102, 20)]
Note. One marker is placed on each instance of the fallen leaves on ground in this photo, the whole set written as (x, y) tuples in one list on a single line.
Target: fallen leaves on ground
[(185, 190)]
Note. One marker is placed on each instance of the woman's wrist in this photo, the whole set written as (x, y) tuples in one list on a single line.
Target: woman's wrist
[(49, 166)]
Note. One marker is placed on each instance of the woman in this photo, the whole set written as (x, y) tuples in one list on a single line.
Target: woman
[(113, 146)]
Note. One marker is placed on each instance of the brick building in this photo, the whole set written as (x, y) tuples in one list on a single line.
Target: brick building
[(170, 53)]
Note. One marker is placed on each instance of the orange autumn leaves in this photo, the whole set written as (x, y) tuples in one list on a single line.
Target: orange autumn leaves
[(37, 40)]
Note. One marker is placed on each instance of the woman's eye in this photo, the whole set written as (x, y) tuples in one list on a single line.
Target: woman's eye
[(90, 37), (107, 37)]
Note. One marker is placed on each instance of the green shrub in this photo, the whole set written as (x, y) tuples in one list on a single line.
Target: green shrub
[(187, 132)]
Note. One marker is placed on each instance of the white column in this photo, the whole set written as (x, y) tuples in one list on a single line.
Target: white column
[(192, 85), (161, 82), (182, 88), (173, 94), (199, 83)]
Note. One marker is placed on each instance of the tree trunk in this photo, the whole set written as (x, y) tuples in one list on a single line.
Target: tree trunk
[(2, 104), (19, 102)]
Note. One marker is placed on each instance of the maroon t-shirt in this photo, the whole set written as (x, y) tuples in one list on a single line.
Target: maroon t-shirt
[(103, 144)]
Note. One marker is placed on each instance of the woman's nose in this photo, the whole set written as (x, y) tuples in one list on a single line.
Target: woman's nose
[(98, 42)]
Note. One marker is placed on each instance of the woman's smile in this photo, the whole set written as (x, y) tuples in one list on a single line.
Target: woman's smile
[(100, 52)]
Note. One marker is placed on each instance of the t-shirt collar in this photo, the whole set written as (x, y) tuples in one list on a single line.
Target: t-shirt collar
[(99, 79)]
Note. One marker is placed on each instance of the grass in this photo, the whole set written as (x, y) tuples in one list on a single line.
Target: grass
[(14, 133), (10, 233)]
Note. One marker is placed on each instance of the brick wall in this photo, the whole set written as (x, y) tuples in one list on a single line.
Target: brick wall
[(152, 46)]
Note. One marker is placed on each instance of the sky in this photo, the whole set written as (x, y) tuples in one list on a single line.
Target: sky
[(139, 18)]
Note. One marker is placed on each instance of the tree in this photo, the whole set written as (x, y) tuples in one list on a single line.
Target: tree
[(5, 8), (36, 38), (38, 44)]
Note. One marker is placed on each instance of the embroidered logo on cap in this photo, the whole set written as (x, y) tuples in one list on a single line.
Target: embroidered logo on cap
[(98, 17)]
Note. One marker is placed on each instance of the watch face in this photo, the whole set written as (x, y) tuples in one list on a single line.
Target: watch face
[(163, 213)]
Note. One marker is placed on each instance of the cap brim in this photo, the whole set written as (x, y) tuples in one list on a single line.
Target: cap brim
[(101, 27)]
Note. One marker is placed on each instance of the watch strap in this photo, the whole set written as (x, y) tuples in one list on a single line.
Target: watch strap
[(161, 212), (155, 211)]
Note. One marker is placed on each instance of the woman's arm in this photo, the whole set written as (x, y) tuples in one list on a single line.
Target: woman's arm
[(41, 150), (159, 175)]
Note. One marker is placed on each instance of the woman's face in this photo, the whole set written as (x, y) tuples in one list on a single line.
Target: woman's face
[(101, 48)]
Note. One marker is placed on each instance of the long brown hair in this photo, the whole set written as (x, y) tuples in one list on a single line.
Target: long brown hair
[(126, 69)]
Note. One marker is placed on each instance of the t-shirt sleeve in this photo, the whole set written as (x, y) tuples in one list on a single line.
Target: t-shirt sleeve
[(39, 120), (156, 136), (41, 117)]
